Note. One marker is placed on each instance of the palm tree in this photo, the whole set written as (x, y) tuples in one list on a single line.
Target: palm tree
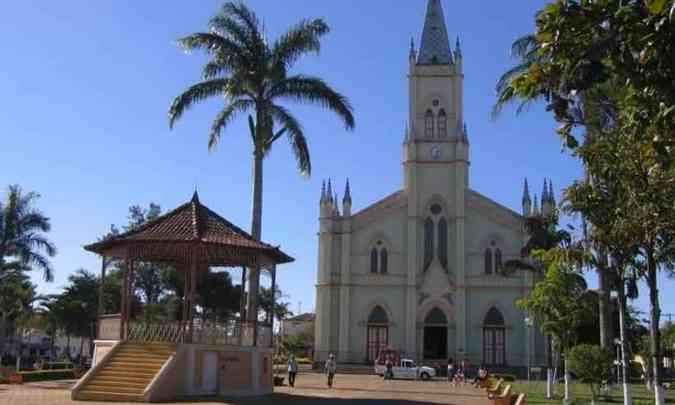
[(22, 243), (252, 75), (16, 296), (526, 50)]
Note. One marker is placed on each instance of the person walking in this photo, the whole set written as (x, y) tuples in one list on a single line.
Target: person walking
[(331, 368), (451, 370), (389, 365), (292, 370)]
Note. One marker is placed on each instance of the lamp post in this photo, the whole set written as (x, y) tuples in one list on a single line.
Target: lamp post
[(528, 323)]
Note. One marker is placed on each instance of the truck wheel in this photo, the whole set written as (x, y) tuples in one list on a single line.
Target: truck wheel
[(425, 377)]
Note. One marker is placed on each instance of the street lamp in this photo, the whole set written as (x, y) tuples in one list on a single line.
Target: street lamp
[(528, 322)]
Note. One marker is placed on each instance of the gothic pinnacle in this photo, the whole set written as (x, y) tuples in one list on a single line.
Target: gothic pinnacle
[(348, 193)]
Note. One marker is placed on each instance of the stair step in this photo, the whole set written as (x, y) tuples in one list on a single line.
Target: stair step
[(108, 396), (122, 379), (114, 388), (139, 357), (131, 373), (108, 381), (131, 365)]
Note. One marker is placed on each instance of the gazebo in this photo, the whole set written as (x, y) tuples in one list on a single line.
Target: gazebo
[(189, 354)]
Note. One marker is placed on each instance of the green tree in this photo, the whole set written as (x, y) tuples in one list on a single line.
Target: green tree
[(17, 294), (558, 302), (281, 308), (253, 75), (592, 365), (23, 245)]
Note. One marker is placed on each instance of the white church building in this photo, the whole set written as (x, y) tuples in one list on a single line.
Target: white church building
[(419, 271)]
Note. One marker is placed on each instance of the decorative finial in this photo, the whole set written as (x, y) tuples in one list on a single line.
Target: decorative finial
[(406, 134), (544, 194), (348, 193), (329, 191), (535, 210), (526, 192), (323, 191), (551, 195), (458, 47), (195, 197)]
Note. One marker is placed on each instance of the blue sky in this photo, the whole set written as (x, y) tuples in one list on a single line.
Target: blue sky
[(87, 86)]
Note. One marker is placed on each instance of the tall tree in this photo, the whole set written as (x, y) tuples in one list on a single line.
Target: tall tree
[(558, 301), (23, 245), (16, 295), (253, 75)]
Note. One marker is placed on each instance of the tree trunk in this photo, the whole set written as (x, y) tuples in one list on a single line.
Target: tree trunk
[(606, 335), (549, 368), (19, 351), (567, 380), (3, 334), (256, 226), (654, 332), (625, 360), (68, 346)]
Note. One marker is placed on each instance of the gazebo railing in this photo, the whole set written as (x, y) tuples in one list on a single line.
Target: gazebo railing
[(232, 333), (165, 332)]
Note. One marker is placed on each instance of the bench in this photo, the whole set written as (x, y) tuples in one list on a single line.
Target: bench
[(504, 398)]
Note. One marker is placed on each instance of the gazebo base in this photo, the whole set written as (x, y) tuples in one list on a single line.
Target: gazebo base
[(154, 372)]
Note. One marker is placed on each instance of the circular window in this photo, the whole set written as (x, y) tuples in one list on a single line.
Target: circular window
[(436, 209), (436, 103), (379, 243)]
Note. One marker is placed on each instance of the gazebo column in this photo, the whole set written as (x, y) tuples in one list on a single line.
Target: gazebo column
[(186, 304), (130, 297), (253, 287), (191, 295), (274, 301), (123, 300)]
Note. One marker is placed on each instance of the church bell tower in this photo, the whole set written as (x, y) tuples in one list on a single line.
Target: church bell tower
[(436, 132)]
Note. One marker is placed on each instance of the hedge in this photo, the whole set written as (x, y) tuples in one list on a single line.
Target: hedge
[(47, 375), (505, 377)]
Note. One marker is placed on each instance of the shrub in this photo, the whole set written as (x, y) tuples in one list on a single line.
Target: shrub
[(591, 364), (505, 377), (47, 375)]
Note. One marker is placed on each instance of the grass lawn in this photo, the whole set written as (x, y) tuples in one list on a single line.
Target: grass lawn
[(536, 394)]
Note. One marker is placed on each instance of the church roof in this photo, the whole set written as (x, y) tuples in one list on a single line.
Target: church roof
[(387, 202), (435, 45)]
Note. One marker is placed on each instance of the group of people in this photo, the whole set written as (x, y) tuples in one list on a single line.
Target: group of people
[(457, 373), (330, 368)]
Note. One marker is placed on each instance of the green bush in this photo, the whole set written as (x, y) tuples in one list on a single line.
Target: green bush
[(47, 375), (505, 377), (591, 364)]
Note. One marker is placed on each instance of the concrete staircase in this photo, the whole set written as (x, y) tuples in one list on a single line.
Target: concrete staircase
[(125, 376)]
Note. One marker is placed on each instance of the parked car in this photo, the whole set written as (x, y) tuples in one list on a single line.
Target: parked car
[(407, 369)]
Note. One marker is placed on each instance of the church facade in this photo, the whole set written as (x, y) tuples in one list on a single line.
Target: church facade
[(420, 270)]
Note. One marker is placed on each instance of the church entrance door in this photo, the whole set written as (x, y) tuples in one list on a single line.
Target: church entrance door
[(436, 335), (435, 342), (378, 333)]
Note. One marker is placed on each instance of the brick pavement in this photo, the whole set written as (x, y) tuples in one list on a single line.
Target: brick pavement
[(310, 389)]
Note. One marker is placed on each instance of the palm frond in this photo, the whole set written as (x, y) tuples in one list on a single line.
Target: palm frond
[(296, 137), (312, 90), (212, 43), (195, 94), (34, 220), (239, 11), (228, 27), (524, 46), (226, 116), (305, 37), (215, 68)]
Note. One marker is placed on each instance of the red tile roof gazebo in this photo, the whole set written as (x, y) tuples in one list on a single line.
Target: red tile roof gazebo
[(192, 238)]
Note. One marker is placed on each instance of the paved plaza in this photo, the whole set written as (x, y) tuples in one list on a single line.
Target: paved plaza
[(310, 389)]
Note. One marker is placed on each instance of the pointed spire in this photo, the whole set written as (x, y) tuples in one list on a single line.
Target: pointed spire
[(465, 134), (535, 209), (526, 193), (337, 207), (551, 195), (323, 191), (329, 191), (348, 193), (544, 195), (435, 45), (413, 54), (195, 197), (458, 48)]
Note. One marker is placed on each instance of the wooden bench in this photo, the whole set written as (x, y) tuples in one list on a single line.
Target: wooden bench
[(521, 399), (494, 388), (504, 398)]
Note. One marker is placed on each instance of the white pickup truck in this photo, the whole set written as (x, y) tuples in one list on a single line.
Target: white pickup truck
[(407, 370)]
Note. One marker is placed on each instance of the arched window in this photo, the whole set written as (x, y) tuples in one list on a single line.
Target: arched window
[(442, 124), (443, 243), (383, 261), (488, 261), (428, 242), (494, 338), (373, 260), (378, 333), (498, 260), (429, 124)]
